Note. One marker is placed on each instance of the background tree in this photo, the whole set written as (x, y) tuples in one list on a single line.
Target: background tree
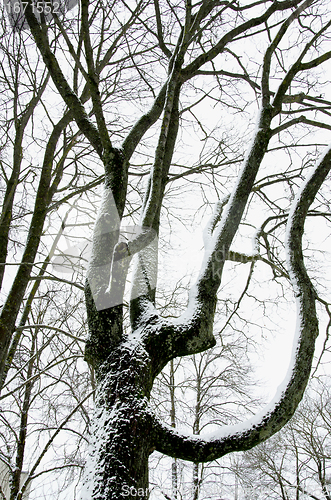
[(188, 396), (42, 181), (174, 59), (295, 464)]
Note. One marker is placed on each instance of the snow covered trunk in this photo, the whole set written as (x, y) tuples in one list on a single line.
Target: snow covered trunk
[(121, 439), (120, 434)]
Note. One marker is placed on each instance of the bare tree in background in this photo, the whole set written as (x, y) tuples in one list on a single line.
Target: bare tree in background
[(42, 181), (176, 59), (213, 389), (294, 464)]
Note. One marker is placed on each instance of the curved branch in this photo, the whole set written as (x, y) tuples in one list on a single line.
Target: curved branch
[(278, 413)]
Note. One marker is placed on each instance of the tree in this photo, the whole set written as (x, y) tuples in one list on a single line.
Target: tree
[(42, 184), (174, 57)]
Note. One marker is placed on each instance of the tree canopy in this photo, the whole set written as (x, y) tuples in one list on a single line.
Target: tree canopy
[(176, 107)]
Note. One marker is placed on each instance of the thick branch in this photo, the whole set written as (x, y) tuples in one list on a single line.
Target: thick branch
[(160, 38), (210, 278), (67, 94), (300, 119), (94, 80), (263, 426), (143, 124), (153, 204), (8, 201)]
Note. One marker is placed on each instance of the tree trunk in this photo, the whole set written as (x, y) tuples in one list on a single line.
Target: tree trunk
[(121, 434), (174, 468)]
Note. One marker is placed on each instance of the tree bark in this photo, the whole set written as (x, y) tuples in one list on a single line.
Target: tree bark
[(122, 434)]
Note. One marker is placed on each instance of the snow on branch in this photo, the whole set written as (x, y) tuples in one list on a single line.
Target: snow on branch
[(257, 429), (192, 332)]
